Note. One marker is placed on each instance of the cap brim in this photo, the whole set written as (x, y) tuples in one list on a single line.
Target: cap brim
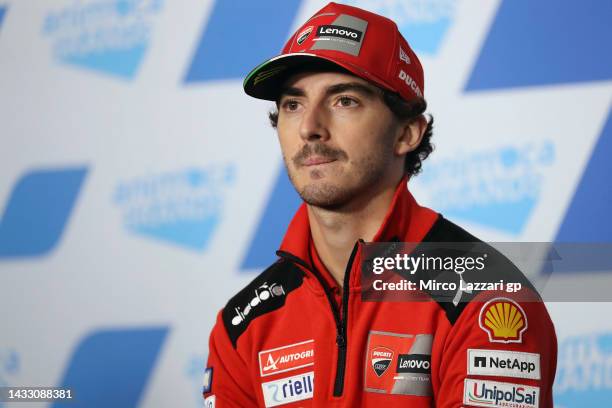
[(266, 81)]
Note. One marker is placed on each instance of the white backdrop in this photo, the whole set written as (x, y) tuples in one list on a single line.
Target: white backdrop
[(139, 186)]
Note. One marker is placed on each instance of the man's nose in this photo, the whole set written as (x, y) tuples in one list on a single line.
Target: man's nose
[(314, 124)]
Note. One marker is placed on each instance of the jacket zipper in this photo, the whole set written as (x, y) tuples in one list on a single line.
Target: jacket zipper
[(340, 319)]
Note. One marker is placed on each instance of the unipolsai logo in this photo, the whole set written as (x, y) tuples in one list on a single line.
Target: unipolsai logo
[(9, 367), (584, 371), (498, 188), (109, 36), (182, 207), (423, 22)]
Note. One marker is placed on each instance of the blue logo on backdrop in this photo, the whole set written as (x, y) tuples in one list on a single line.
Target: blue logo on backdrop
[(111, 368), (9, 367), (37, 211), (593, 196), (423, 23), (245, 33), (584, 371), (109, 36), (195, 373), (2, 13), (531, 43), (282, 204), (498, 188), (182, 207)]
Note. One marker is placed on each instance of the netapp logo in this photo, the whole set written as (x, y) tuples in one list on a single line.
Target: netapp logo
[(414, 363), (339, 31), (504, 363)]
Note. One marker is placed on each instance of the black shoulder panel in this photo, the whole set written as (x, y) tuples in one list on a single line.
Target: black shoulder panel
[(497, 267), (264, 294)]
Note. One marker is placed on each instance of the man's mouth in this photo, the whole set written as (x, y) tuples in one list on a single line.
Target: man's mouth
[(317, 160)]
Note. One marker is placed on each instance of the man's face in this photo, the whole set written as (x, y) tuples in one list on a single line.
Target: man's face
[(337, 137)]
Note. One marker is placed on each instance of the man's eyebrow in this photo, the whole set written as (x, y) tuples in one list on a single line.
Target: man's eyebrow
[(292, 91), (358, 87), (352, 86)]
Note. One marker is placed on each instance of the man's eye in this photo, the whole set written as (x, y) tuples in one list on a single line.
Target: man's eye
[(345, 101), (290, 105)]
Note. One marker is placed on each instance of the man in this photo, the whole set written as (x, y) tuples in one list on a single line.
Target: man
[(349, 93)]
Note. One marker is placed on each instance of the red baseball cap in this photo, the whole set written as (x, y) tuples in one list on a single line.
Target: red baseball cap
[(366, 44)]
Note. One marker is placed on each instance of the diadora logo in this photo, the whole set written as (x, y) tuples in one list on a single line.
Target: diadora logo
[(286, 390), (500, 394), (242, 44), (504, 363), (423, 23), (182, 207), (38, 210), (261, 294), (584, 371), (498, 188), (381, 359), (109, 36), (286, 358)]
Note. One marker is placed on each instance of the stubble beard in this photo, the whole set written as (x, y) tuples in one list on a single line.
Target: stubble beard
[(367, 173)]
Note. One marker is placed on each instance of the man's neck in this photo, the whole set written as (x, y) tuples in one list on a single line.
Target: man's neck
[(334, 233)]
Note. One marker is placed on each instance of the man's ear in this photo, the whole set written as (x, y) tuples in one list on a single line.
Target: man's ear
[(410, 135)]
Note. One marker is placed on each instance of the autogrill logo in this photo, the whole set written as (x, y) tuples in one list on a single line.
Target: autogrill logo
[(286, 358), (339, 31)]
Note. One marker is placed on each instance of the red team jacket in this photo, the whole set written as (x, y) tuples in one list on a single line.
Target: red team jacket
[(293, 338)]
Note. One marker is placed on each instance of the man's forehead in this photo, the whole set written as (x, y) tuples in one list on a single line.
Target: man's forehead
[(317, 80)]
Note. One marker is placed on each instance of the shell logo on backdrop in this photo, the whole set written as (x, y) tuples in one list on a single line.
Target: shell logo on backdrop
[(182, 207), (584, 371), (108, 36), (496, 187), (423, 23)]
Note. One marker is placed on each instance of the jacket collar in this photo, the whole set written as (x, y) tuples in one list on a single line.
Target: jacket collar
[(405, 221)]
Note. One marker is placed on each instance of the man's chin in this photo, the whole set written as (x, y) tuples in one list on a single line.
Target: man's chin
[(324, 194)]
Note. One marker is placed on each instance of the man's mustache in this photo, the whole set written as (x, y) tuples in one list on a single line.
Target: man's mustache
[(318, 149)]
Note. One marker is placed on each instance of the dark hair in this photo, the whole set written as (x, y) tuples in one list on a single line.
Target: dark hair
[(403, 110)]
